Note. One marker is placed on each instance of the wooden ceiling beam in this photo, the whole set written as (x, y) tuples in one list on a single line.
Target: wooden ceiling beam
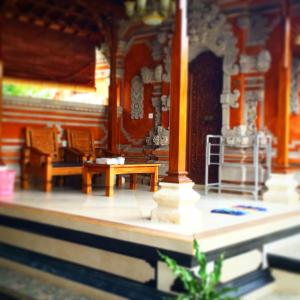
[(86, 18)]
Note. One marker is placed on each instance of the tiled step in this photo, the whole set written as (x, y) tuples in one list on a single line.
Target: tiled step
[(288, 247), (284, 259), (285, 255), (15, 285), (282, 262)]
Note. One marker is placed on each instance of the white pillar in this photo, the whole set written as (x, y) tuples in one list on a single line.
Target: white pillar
[(281, 189), (176, 204)]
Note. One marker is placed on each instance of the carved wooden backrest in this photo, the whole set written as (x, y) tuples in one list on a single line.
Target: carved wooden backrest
[(43, 139), (82, 140)]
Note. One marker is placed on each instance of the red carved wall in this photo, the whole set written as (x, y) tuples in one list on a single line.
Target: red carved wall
[(138, 56), (133, 132)]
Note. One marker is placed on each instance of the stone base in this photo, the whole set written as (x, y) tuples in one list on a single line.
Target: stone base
[(176, 204), (281, 189)]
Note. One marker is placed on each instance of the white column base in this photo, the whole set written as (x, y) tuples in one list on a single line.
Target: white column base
[(176, 204), (281, 189)]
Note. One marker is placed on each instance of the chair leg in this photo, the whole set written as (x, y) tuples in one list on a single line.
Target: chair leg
[(48, 180), (61, 181), (119, 181), (48, 186), (25, 181)]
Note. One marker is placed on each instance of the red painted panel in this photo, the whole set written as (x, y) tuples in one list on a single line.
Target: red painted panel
[(138, 56)]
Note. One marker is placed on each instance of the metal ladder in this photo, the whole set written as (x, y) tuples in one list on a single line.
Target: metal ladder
[(215, 155)]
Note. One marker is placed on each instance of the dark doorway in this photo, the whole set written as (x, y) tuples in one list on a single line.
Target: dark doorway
[(204, 111)]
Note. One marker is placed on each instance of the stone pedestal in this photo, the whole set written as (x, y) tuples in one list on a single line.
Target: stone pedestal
[(281, 189), (176, 204)]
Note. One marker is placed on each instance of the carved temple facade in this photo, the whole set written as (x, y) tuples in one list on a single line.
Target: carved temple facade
[(242, 77)]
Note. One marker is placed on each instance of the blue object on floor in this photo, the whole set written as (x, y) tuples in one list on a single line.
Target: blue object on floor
[(258, 208), (228, 211)]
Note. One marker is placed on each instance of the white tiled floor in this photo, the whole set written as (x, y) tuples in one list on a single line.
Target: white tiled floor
[(134, 207)]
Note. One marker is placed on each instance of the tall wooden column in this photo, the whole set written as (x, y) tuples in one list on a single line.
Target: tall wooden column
[(178, 107), (284, 92), (176, 198), (113, 125), (282, 186)]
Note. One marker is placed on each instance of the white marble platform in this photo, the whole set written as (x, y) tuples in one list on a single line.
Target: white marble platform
[(128, 213), (134, 207), (126, 217)]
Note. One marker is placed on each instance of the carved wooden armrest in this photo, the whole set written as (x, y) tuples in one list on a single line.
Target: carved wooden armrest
[(38, 157), (73, 154)]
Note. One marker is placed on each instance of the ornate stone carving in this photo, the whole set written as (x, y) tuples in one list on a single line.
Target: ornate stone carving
[(255, 81), (259, 63), (156, 50), (258, 28), (251, 99), (152, 76), (231, 99), (157, 45), (158, 137), (55, 105), (237, 136), (264, 60), (244, 135), (295, 86), (165, 102), (157, 106), (158, 73), (167, 61), (137, 98), (209, 30), (147, 75), (253, 96)]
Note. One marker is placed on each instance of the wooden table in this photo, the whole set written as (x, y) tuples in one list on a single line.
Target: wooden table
[(111, 170)]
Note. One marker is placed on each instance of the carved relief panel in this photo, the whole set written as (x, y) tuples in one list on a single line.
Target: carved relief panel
[(148, 83), (137, 98)]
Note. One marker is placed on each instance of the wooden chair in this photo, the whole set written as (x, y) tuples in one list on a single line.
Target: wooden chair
[(81, 144), (42, 157)]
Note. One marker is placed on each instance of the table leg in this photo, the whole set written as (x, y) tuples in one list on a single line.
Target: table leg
[(109, 183), (86, 181), (119, 181), (154, 181), (133, 179)]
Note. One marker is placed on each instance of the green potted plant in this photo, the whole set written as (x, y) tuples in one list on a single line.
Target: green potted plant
[(202, 285)]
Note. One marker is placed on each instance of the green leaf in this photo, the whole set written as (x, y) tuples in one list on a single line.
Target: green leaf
[(203, 285)]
